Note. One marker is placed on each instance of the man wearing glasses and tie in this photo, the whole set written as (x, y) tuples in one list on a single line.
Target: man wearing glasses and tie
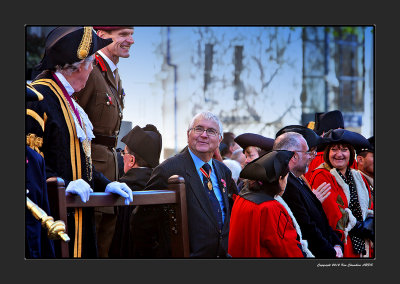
[(103, 101), (209, 187)]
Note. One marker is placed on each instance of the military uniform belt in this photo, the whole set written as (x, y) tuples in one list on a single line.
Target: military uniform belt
[(109, 141)]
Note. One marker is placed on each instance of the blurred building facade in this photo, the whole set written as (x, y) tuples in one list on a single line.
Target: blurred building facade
[(256, 79)]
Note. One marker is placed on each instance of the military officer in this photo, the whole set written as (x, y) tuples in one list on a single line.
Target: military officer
[(103, 101)]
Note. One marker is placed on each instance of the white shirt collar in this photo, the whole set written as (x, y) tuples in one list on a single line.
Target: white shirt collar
[(65, 83), (108, 60), (85, 119)]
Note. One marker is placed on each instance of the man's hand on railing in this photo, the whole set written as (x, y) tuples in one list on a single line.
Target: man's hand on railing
[(80, 187), (121, 189)]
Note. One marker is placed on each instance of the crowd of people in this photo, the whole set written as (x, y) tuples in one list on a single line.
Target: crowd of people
[(306, 193)]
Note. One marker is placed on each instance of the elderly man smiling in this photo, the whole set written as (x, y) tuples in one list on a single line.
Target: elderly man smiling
[(209, 187)]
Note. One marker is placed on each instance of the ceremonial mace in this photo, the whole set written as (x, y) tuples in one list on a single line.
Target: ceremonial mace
[(55, 230)]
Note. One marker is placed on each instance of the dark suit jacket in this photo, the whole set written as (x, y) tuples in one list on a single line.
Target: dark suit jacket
[(205, 240), (310, 216)]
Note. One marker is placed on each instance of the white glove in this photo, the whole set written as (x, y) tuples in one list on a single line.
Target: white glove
[(338, 249), (80, 187), (121, 189)]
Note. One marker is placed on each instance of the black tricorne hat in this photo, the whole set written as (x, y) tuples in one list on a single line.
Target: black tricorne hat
[(325, 121), (269, 167), (346, 136), (67, 45), (309, 135), (252, 139), (370, 148), (146, 142)]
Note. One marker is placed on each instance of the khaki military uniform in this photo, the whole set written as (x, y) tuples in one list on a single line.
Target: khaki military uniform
[(103, 101)]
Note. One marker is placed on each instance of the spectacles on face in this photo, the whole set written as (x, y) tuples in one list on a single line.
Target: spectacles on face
[(211, 132), (310, 153), (123, 153)]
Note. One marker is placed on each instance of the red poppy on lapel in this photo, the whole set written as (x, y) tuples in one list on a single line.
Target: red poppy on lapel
[(224, 184)]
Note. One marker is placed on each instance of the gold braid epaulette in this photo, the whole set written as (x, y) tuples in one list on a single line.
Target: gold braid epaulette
[(84, 46), (34, 142)]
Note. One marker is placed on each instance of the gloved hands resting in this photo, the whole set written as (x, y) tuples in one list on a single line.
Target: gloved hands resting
[(80, 187), (121, 189)]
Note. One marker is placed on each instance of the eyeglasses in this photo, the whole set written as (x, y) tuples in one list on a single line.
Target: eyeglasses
[(211, 132), (123, 153), (310, 153)]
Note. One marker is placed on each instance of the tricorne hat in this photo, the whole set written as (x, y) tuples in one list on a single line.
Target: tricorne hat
[(370, 148), (309, 135), (252, 139), (67, 45), (146, 142), (269, 167), (355, 139), (325, 121)]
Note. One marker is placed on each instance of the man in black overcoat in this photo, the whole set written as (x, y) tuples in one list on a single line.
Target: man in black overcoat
[(139, 230), (306, 207)]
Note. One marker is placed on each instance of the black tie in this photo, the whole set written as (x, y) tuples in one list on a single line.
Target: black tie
[(211, 195)]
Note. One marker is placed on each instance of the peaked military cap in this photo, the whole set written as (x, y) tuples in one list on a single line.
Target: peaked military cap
[(346, 136), (325, 121), (309, 135), (111, 28), (67, 45), (252, 139), (146, 142), (269, 167)]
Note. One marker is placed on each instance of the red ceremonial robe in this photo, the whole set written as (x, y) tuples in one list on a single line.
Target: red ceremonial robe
[(336, 205), (262, 230)]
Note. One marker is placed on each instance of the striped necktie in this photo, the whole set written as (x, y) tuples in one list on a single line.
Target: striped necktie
[(207, 184)]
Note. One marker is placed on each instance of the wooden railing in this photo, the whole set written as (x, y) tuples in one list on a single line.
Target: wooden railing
[(175, 195)]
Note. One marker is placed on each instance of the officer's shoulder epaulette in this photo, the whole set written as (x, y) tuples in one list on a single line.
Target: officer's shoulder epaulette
[(100, 62), (32, 94)]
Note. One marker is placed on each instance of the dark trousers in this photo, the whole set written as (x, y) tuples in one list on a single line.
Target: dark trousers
[(105, 227)]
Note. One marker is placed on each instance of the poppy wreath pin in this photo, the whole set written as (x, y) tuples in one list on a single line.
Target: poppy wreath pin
[(224, 184)]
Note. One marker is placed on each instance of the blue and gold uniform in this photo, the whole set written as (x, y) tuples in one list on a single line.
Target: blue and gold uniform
[(37, 244), (62, 149)]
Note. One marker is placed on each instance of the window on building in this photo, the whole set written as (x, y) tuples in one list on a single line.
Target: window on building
[(333, 71), (208, 61), (238, 60)]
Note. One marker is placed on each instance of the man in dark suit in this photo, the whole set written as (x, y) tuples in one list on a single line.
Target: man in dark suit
[(209, 187), (307, 209)]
